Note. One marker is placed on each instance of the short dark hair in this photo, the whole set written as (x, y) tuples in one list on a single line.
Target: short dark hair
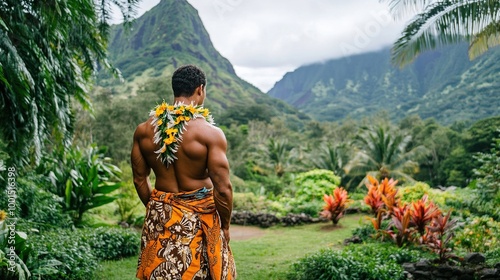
[(186, 79)]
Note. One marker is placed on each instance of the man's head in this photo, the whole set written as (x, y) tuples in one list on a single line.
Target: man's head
[(187, 79)]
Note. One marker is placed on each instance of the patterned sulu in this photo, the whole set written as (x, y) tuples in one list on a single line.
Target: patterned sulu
[(182, 239)]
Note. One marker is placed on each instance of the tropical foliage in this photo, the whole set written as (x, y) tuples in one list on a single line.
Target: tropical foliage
[(14, 251), (48, 57), (383, 152), (488, 174), (446, 22), (84, 179)]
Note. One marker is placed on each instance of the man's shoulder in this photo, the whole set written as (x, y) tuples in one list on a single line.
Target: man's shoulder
[(143, 129), (205, 128)]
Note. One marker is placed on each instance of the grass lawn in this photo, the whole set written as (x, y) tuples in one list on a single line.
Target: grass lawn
[(267, 256)]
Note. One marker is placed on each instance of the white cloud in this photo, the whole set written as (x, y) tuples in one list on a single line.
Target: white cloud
[(264, 39)]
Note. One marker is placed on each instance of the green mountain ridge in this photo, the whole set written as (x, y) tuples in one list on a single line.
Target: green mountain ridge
[(169, 35), (442, 84)]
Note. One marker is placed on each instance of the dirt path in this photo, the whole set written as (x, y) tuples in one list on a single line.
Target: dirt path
[(245, 232)]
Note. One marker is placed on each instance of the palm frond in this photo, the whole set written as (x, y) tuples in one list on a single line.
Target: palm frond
[(441, 23), (489, 37), (400, 8)]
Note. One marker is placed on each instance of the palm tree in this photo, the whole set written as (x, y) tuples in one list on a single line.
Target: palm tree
[(332, 158), (446, 22), (383, 153), (279, 155), (49, 52)]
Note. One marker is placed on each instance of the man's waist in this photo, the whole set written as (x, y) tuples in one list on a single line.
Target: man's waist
[(199, 200)]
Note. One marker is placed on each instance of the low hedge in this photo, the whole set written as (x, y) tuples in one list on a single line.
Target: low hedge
[(370, 261), (74, 254)]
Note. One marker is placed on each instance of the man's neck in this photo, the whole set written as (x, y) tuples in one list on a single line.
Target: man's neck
[(185, 100)]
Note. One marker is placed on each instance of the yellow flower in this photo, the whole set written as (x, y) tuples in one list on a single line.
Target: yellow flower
[(170, 107), (160, 122), (3, 215), (187, 118), (191, 109), (163, 149), (179, 111), (159, 111), (205, 112), (171, 139), (172, 131)]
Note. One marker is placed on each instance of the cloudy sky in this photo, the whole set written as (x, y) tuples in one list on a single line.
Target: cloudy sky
[(264, 39)]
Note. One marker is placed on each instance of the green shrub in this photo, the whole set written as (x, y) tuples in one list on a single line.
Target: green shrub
[(377, 261), (41, 208), (250, 186), (364, 232), (249, 202), (493, 256), (311, 208), (74, 254), (412, 193), (67, 247), (312, 185), (480, 234), (36, 205), (112, 243), (470, 205)]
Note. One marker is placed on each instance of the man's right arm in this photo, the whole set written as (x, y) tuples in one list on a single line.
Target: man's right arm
[(218, 170), (140, 169)]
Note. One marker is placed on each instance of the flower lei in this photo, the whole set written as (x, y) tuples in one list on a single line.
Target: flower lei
[(170, 122)]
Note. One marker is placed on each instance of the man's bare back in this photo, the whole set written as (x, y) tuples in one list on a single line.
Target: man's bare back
[(189, 172)]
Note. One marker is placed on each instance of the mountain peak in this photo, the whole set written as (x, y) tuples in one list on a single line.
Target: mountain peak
[(169, 35), (169, 30)]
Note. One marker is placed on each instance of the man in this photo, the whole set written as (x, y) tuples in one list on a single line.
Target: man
[(186, 228)]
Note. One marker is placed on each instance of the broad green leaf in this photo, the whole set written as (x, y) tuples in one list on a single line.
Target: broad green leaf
[(68, 193)]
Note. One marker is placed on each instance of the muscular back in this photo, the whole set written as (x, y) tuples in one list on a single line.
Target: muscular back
[(202, 150)]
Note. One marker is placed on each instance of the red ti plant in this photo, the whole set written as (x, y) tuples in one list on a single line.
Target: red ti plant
[(423, 213), (335, 205), (391, 202), (374, 199), (377, 221), (387, 187), (439, 234), (381, 195), (401, 231)]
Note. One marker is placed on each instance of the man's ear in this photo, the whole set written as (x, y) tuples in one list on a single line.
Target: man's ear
[(199, 90)]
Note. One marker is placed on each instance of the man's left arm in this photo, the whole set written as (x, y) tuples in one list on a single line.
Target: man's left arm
[(140, 170), (218, 170)]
